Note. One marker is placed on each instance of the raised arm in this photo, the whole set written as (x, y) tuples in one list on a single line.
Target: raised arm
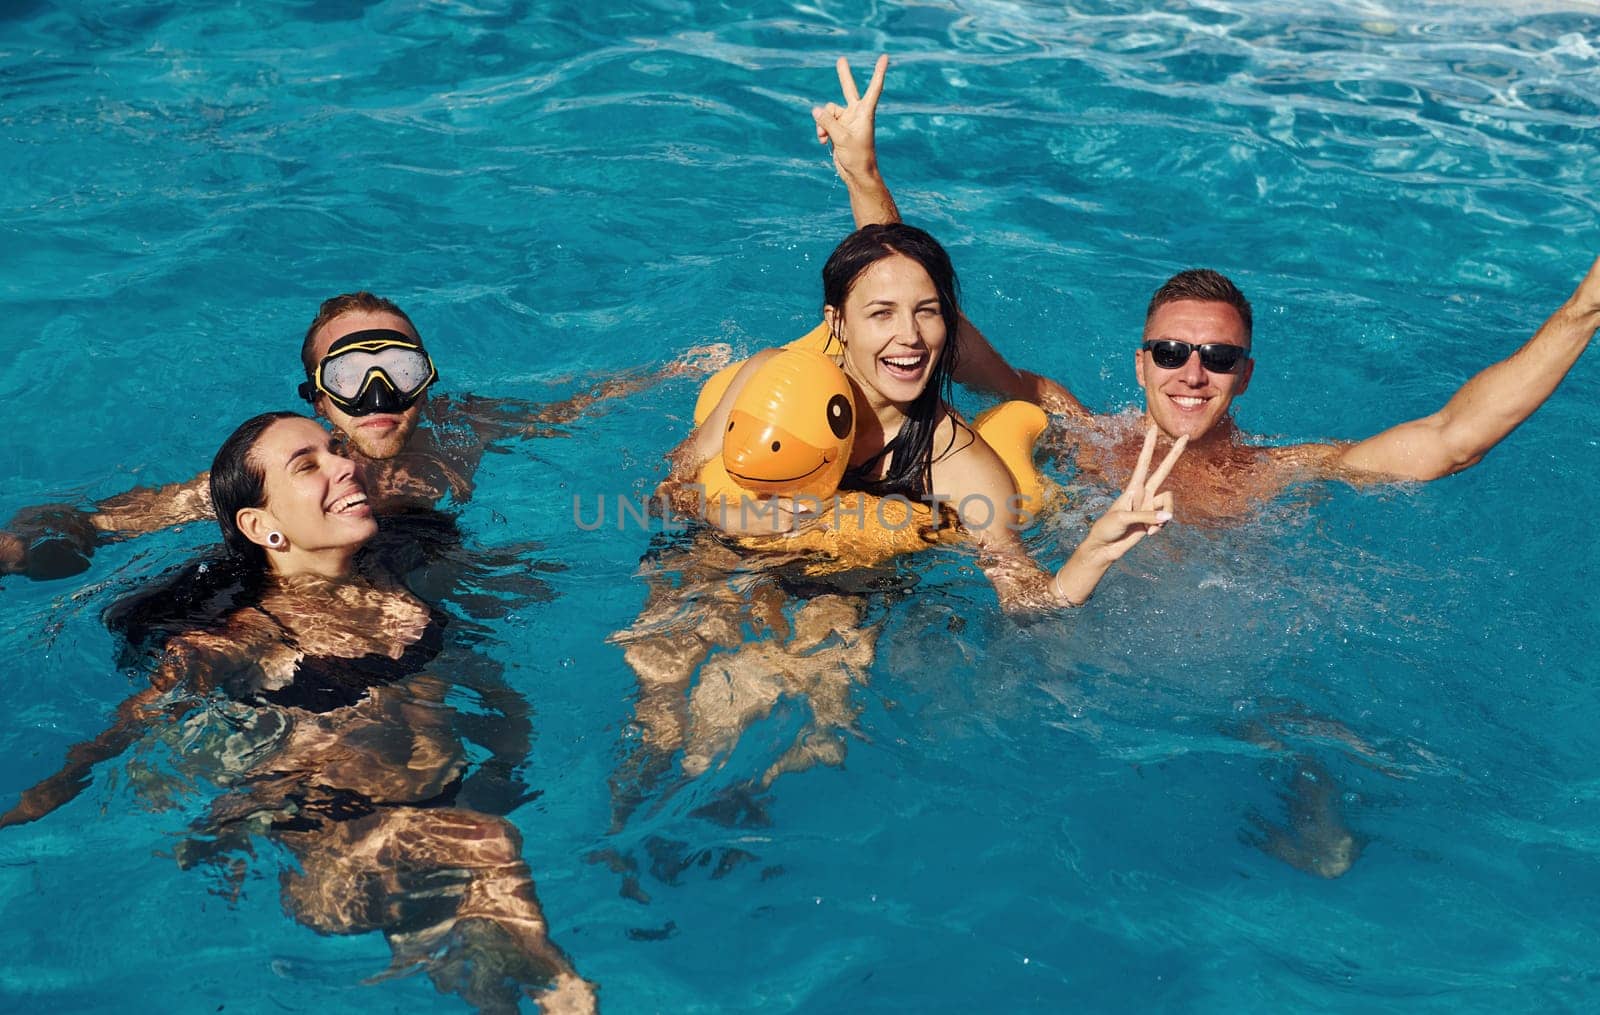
[(1488, 407), (851, 129)]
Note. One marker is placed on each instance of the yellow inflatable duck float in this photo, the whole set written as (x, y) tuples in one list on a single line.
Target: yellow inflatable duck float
[(790, 433)]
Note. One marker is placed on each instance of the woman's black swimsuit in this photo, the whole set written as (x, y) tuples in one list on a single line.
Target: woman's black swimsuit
[(862, 477), (325, 683)]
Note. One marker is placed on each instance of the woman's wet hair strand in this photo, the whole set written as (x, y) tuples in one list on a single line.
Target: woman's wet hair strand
[(238, 481)]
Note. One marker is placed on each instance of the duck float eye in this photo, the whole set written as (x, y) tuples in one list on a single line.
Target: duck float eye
[(841, 416)]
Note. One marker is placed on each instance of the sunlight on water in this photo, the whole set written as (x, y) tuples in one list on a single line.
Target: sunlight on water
[(1090, 810)]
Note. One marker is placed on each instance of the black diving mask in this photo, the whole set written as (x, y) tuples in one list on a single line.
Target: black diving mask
[(372, 371)]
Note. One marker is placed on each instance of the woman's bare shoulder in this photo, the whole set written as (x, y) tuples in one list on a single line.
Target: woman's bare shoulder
[(246, 640), (964, 463)]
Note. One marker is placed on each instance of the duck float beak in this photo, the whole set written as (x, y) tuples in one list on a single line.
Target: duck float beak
[(766, 458)]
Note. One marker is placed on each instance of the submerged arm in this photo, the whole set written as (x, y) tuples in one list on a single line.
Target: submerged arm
[(147, 509), (56, 540), (1489, 406), (133, 716)]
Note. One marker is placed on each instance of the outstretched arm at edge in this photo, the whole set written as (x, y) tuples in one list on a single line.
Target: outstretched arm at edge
[(133, 716), (508, 417), (1489, 406), (56, 540)]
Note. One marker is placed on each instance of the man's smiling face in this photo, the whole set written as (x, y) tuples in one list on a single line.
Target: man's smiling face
[(1189, 399)]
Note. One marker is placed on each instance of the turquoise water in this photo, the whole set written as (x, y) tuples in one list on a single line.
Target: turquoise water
[(1029, 818)]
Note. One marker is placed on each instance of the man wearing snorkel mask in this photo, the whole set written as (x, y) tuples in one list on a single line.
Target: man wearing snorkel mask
[(369, 375), (367, 383)]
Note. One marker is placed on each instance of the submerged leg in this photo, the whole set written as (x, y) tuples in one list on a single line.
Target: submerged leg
[(663, 667), (697, 604), (735, 690), (449, 890), (827, 656), (833, 653), (1316, 839)]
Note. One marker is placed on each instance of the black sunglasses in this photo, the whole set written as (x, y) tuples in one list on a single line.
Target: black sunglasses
[(1170, 354)]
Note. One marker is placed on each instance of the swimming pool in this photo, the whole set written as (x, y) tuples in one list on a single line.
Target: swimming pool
[(1030, 817)]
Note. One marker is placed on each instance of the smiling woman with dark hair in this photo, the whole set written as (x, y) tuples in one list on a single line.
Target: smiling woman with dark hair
[(332, 738), (891, 305)]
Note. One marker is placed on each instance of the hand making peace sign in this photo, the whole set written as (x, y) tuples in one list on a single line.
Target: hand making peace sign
[(1142, 508), (849, 128)]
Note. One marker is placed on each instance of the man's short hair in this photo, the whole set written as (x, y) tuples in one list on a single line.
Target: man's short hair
[(1202, 284), (338, 306)]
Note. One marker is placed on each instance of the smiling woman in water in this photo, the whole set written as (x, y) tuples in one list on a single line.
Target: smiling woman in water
[(333, 738)]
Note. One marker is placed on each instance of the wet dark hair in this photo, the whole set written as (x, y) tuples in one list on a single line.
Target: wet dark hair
[(201, 594), (910, 472), (1206, 285), (197, 596), (346, 303), (238, 481)]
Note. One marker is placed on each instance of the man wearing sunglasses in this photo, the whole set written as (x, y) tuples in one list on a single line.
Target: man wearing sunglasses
[(369, 375), (1194, 360)]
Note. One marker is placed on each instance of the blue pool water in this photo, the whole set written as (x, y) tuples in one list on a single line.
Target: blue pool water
[(1038, 817)]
